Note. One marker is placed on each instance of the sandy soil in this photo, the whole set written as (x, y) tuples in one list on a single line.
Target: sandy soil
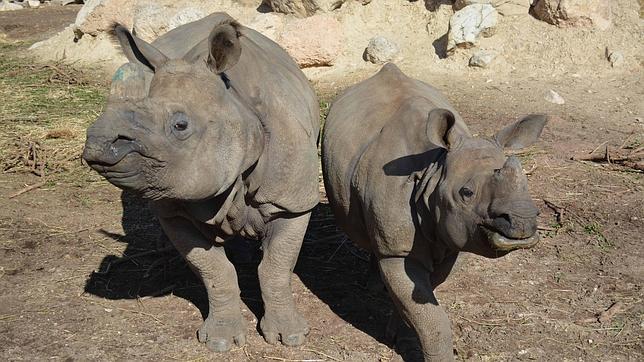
[(82, 276)]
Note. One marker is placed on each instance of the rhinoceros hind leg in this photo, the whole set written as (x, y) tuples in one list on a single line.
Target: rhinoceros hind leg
[(281, 321), (224, 325)]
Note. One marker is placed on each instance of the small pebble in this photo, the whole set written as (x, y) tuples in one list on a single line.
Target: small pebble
[(482, 59), (616, 59), (554, 97)]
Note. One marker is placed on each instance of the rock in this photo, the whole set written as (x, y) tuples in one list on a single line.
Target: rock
[(33, 3), (482, 58), (269, 24), (459, 4), (153, 20), (97, 16), (467, 24), (7, 6), (314, 41), (554, 97), (616, 59), (564, 13), (303, 8), (87, 51), (381, 50), (504, 7), (66, 2), (184, 16)]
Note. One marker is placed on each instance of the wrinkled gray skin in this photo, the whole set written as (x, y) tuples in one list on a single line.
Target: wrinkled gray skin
[(217, 126), (407, 180)]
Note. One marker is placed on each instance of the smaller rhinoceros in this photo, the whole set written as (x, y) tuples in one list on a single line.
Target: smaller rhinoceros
[(217, 126), (406, 180)]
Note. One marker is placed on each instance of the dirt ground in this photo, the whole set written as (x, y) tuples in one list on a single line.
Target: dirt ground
[(84, 276)]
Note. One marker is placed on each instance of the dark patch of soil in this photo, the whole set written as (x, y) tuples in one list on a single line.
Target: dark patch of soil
[(37, 24)]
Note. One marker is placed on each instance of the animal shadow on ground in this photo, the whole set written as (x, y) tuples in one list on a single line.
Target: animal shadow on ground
[(329, 265)]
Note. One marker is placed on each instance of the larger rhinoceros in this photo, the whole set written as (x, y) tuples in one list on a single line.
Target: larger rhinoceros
[(217, 126), (406, 180)]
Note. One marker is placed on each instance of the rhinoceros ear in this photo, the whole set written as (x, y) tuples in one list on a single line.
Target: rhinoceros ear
[(441, 128), (523, 133), (137, 50), (225, 47)]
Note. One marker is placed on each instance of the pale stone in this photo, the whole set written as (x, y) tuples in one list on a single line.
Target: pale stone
[(504, 7), (7, 6), (153, 20), (564, 13), (97, 16), (482, 58), (303, 8), (269, 24), (554, 97), (381, 50), (467, 24), (313, 41)]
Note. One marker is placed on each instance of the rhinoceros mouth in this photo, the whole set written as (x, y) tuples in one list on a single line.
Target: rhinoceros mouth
[(504, 243)]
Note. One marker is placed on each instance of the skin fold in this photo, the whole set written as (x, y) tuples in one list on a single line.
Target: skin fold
[(216, 125), (407, 181)]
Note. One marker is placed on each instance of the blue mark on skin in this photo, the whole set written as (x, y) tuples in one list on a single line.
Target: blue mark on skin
[(119, 75)]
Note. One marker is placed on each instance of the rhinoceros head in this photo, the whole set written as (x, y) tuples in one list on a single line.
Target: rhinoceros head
[(186, 136), (481, 202)]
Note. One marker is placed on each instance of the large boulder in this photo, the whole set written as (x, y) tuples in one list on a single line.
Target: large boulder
[(152, 20), (564, 13), (313, 41), (7, 6), (303, 8), (97, 16), (270, 25), (467, 24)]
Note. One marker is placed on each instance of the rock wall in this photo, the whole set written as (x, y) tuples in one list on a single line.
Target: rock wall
[(331, 39)]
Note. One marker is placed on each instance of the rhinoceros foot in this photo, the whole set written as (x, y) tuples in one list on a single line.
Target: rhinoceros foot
[(286, 326), (221, 332), (404, 338)]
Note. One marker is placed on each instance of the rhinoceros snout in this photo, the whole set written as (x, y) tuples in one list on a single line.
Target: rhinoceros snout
[(516, 220), (108, 151)]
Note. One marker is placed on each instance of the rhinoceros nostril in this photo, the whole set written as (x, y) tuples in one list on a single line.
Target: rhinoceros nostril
[(123, 138), (506, 217)]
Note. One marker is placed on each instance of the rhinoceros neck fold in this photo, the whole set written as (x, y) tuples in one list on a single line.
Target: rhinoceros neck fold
[(421, 197)]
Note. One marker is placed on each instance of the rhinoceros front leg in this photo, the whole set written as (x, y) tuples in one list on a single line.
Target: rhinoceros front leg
[(224, 325), (409, 285), (281, 245)]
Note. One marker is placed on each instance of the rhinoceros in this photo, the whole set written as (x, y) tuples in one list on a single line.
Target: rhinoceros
[(407, 180), (217, 126)]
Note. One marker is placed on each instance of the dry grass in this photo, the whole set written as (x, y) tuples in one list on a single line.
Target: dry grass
[(44, 113)]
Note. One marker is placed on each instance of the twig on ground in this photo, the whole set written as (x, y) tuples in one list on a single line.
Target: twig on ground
[(598, 147), (321, 354), (28, 188), (545, 228), (344, 240), (608, 314), (481, 323), (122, 309), (559, 210), (292, 360)]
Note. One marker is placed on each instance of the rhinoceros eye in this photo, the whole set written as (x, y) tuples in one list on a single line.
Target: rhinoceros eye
[(466, 193), (180, 126)]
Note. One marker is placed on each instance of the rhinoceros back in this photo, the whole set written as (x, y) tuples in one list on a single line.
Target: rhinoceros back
[(355, 123)]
